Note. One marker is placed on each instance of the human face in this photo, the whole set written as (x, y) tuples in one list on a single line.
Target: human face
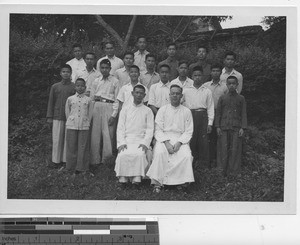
[(128, 60), (150, 63), (89, 60), (138, 95), (216, 73), (134, 74), (109, 50), (171, 51), (197, 77), (77, 51), (80, 86), (229, 61), (175, 96), (141, 44), (65, 73), (201, 54), (183, 70), (164, 74), (105, 69), (232, 85)]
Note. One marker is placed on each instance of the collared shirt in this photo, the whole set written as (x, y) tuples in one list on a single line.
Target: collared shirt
[(217, 90), (206, 76), (136, 124), (78, 112), (116, 63), (147, 79), (58, 96), (139, 59), (125, 95), (174, 120), (196, 98), (235, 73), (123, 76), (89, 77), (159, 94), (77, 67), (108, 89), (187, 83), (231, 112), (173, 65)]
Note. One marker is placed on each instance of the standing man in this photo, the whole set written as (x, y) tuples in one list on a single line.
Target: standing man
[(202, 62), (77, 63), (183, 80), (171, 61), (134, 134), (228, 70), (116, 63), (140, 54), (172, 158), (150, 76), (122, 74)]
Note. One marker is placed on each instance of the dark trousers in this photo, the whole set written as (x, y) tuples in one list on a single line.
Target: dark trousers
[(77, 150), (199, 142), (213, 139), (229, 153)]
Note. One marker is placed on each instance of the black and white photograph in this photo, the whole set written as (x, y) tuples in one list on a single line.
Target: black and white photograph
[(135, 108)]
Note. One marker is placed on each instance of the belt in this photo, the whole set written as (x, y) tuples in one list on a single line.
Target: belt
[(103, 100), (199, 109)]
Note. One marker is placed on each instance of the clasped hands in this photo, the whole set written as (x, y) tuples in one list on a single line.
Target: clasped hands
[(172, 148), (123, 147)]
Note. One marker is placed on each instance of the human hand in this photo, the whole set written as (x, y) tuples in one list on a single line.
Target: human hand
[(111, 121), (219, 131), (177, 146), (169, 147), (241, 132), (122, 148), (144, 148), (49, 120), (209, 129)]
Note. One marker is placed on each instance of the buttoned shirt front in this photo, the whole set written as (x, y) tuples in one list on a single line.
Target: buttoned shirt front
[(78, 112), (89, 77), (139, 59), (123, 76), (159, 94), (173, 65), (187, 83), (196, 98), (108, 89), (235, 73), (147, 78), (116, 63), (125, 95), (217, 90), (206, 68), (77, 67)]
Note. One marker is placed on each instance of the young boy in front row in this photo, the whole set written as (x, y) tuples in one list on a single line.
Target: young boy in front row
[(79, 114), (231, 121), (56, 114)]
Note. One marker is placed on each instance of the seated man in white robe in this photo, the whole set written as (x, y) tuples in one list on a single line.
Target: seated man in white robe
[(134, 134), (172, 157)]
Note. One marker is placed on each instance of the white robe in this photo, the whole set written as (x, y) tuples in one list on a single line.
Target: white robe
[(135, 127), (174, 124)]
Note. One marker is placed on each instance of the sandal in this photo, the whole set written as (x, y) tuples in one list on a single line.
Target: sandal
[(157, 189)]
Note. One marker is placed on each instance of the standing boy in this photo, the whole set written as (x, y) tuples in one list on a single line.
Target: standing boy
[(122, 74), (231, 121), (217, 89), (182, 80), (116, 63), (171, 61), (150, 76), (77, 63), (56, 113), (228, 70), (198, 99), (140, 54), (78, 114), (134, 134)]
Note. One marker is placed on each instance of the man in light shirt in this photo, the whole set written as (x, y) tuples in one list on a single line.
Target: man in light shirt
[(134, 134), (122, 74), (104, 93), (159, 94), (77, 63), (140, 54), (116, 63), (198, 99), (149, 76), (183, 80), (228, 70), (171, 61)]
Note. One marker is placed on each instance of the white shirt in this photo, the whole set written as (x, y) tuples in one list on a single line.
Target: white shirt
[(77, 67), (147, 79), (187, 83), (159, 94), (235, 73), (89, 77), (196, 98), (139, 59), (136, 124), (123, 76), (217, 90), (116, 63), (125, 95)]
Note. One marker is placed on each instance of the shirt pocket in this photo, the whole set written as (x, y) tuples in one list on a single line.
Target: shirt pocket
[(86, 122), (70, 121)]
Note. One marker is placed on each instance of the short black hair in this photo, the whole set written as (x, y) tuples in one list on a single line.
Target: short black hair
[(176, 86), (231, 53), (183, 62), (233, 77), (107, 42), (135, 66), (128, 53), (65, 66), (172, 44), (139, 86), (198, 68), (150, 55), (165, 65), (76, 45), (106, 62), (203, 46), (142, 36), (90, 53), (216, 65), (80, 79)]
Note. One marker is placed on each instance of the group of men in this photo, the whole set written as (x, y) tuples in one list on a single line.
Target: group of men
[(162, 120)]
